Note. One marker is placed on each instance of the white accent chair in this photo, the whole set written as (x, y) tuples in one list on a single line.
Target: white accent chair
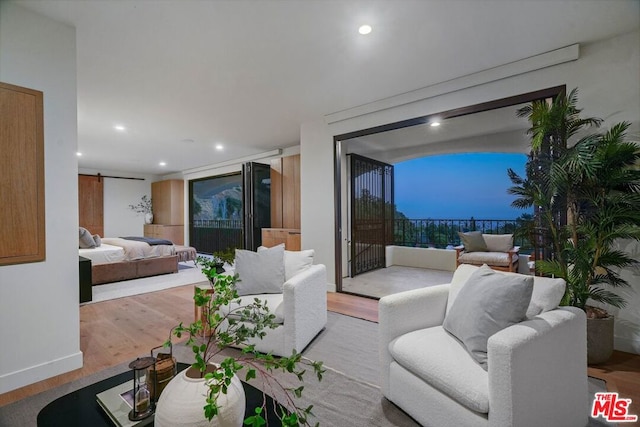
[(537, 370), (300, 310)]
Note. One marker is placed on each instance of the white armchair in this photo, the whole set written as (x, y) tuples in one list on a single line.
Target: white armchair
[(300, 309), (537, 369)]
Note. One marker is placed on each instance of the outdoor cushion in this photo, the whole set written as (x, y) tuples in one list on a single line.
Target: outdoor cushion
[(473, 241), (498, 242), (486, 304), (428, 354), (491, 258)]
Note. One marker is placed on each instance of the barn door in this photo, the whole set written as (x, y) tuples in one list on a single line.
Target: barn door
[(372, 208), (91, 203)]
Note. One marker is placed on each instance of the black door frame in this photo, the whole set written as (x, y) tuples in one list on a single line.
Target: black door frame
[(551, 92)]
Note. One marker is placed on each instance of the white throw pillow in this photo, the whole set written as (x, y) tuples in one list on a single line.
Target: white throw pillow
[(294, 261), (486, 304), (547, 294), (260, 272)]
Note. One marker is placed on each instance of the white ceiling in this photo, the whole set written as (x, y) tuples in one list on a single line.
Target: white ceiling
[(183, 75), (499, 129)]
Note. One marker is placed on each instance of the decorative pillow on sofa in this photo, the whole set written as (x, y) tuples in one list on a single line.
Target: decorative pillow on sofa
[(498, 242), (85, 240), (260, 272), (487, 303), (473, 241), (294, 261)]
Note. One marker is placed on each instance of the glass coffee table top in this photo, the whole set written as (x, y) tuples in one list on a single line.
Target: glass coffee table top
[(80, 408)]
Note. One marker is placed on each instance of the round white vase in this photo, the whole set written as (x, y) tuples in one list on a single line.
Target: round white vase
[(182, 401), (148, 218)]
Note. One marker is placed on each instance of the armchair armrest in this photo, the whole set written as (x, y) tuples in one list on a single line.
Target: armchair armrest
[(405, 312), (305, 305), (538, 371), (514, 250)]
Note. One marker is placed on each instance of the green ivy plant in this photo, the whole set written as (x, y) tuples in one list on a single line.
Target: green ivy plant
[(221, 329)]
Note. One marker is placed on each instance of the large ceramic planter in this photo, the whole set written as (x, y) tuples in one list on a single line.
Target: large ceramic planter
[(599, 340), (182, 401)]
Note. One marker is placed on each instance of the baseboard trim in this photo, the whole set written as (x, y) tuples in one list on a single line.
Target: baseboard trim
[(33, 374), (626, 344)]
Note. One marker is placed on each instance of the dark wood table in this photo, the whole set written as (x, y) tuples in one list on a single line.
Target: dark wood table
[(80, 408)]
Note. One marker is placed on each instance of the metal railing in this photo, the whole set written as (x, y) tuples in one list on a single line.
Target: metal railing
[(442, 233), (212, 235)]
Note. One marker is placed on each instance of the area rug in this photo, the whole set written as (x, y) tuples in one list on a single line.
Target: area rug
[(348, 395), (187, 274)]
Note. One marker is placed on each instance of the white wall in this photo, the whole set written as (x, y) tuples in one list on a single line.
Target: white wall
[(606, 74), (119, 220), (39, 311)]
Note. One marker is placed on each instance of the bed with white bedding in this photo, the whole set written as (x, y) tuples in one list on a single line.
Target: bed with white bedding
[(103, 254), (118, 259)]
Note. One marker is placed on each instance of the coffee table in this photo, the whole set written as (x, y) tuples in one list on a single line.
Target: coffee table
[(80, 408)]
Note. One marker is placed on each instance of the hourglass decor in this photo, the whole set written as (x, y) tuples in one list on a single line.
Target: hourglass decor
[(142, 404)]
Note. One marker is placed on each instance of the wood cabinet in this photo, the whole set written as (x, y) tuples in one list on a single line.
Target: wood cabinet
[(275, 236), (175, 233), (168, 211), (168, 202), (22, 210)]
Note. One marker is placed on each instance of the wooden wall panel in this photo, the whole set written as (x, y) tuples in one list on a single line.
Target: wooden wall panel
[(291, 192), (22, 210), (91, 203)]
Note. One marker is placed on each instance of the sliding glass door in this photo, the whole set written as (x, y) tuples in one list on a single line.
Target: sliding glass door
[(216, 213)]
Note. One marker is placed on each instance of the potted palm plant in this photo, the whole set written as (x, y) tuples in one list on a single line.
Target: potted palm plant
[(587, 197), (211, 394)]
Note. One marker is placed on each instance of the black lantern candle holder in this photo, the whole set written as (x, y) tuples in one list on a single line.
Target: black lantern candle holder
[(142, 402)]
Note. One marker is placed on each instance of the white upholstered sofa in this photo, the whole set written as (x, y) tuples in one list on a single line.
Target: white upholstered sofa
[(537, 369), (298, 301)]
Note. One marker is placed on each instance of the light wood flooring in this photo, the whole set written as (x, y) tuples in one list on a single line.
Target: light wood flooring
[(116, 331)]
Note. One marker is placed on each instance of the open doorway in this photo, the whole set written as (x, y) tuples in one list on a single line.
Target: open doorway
[(490, 127)]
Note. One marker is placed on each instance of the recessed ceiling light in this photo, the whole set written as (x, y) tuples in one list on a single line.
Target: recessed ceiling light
[(364, 29), (120, 128), (219, 147), (78, 154), (163, 163), (434, 124)]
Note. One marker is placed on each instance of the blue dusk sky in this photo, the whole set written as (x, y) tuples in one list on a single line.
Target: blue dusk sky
[(458, 186)]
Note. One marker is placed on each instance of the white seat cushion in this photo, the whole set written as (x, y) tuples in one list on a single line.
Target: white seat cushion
[(490, 258), (275, 303), (440, 360)]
